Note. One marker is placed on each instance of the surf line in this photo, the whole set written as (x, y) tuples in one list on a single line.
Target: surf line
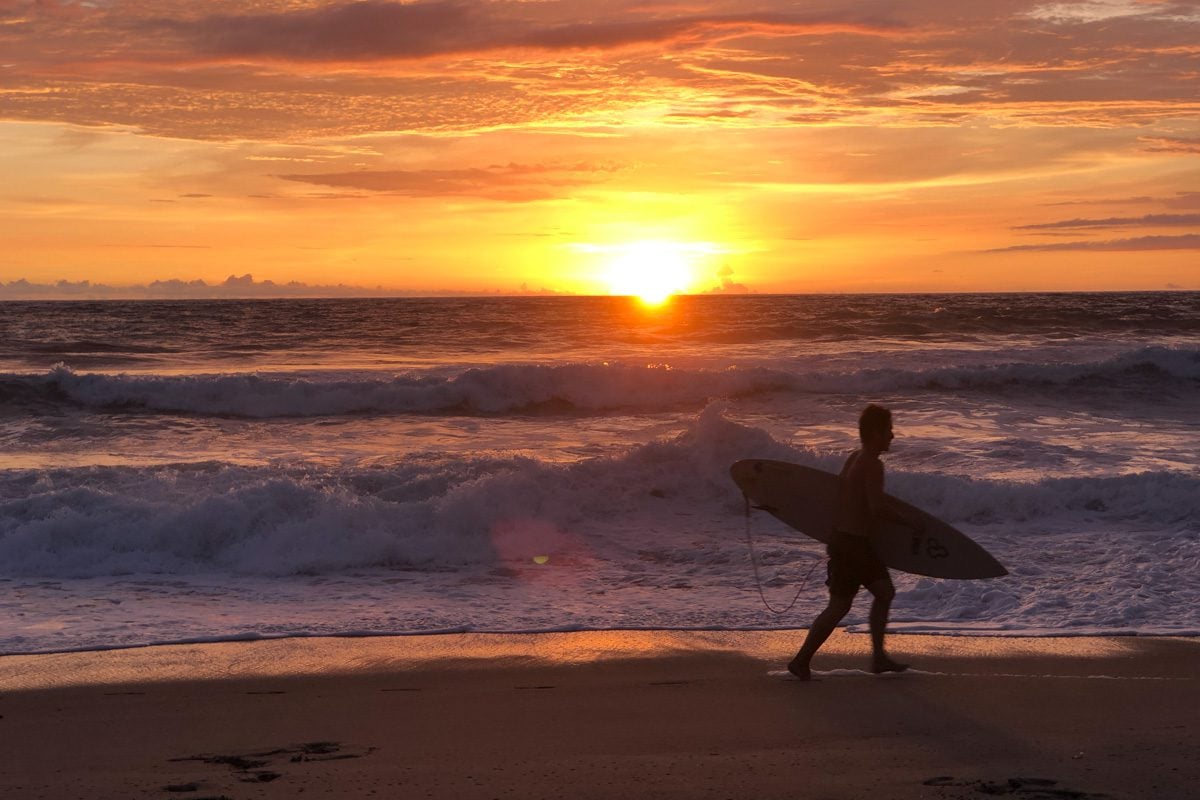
[(1039, 677), (857, 673), (758, 577)]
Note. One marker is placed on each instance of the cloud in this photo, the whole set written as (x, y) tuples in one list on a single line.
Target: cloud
[(1166, 144), (352, 32), (373, 30), (1184, 200), (511, 182), (1188, 241), (318, 69), (728, 285), (542, 291), (1177, 200), (301, 70), (1147, 220)]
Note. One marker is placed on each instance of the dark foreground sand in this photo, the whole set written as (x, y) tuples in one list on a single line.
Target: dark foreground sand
[(589, 715)]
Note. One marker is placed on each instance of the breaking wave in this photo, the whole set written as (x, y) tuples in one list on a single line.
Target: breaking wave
[(443, 513), (565, 389)]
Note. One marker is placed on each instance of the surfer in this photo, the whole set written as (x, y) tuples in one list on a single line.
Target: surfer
[(852, 561)]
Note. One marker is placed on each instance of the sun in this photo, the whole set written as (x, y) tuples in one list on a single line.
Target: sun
[(651, 271)]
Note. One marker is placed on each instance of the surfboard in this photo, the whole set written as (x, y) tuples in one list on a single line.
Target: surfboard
[(804, 498)]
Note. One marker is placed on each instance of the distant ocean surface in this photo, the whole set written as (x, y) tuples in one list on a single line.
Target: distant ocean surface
[(193, 471)]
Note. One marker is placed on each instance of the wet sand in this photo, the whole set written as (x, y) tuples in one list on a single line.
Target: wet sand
[(600, 715)]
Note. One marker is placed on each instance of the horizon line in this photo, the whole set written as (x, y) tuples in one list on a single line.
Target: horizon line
[(482, 295)]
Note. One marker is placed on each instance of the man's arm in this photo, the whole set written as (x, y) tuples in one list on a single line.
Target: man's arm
[(882, 510)]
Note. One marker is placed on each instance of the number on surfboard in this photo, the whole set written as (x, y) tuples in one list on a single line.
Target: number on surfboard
[(933, 548)]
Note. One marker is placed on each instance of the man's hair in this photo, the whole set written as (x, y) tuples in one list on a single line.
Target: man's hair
[(873, 418)]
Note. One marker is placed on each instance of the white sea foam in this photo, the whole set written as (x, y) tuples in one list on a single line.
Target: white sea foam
[(652, 538), (282, 520)]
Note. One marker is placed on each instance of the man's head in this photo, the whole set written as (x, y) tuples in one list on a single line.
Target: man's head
[(875, 427)]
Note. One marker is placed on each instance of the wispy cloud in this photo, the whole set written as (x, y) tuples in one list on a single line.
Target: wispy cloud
[(1188, 241), (1145, 221), (373, 30), (282, 70), (1177, 200), (511, 182), (1168, 144)]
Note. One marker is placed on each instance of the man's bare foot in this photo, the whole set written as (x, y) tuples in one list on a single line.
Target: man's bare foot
[(881, 664), (800, 670)]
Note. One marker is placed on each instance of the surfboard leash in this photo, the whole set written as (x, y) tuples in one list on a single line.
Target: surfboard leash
[(758, 577)]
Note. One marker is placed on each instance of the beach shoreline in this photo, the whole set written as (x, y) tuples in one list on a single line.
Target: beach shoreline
[(604, 714)]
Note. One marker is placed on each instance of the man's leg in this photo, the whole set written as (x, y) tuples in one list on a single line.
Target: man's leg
[(822, 627), (883, 591)]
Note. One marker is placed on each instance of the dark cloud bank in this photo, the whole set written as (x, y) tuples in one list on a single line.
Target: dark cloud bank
[(376, 29), (245, 287), (232, 288)]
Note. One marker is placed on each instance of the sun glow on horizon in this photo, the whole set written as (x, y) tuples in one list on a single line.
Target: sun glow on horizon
[(651, 270)]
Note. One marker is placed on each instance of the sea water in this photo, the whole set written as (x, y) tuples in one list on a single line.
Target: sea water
[(191, 471)]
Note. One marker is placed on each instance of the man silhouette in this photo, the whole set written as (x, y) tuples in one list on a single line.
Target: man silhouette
[(861, 505)]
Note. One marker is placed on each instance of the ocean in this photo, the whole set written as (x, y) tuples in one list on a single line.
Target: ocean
[(222, 470)]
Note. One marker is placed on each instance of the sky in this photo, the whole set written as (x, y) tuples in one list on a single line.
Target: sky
[(598, 146)]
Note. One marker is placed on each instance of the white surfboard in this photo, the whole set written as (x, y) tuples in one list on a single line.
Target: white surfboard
[(804, 498)]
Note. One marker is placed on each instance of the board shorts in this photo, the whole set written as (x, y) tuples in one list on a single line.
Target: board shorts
[(852, 563)]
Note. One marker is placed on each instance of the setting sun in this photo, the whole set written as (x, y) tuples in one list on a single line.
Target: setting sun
[(651, 271)]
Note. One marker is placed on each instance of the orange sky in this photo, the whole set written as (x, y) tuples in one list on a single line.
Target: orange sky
[(469, 145)]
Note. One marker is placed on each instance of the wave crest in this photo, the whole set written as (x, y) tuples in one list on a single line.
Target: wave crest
[(443, 513), (568, 389)]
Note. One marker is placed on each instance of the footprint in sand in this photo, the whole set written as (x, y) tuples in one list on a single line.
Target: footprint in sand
[(1020, 788), (260, 766)]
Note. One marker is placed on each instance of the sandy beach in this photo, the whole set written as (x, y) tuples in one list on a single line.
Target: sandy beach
[(604, 714)]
